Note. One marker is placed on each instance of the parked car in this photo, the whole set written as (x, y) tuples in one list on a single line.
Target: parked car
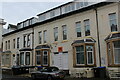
[(48, 73)]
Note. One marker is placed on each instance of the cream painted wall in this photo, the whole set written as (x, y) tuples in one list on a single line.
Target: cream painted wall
[(104, 28)]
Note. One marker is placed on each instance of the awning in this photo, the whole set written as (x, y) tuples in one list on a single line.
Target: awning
[(86, 40), (7, 52), (42, 47), (26, 49), (113, 36)]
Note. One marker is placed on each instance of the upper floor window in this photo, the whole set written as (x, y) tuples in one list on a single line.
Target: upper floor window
[(24, 39), (78, 29), (113, 22), (28, 40), (18, 42), (56, 34), (69, 7), (42, 17), (45, 36), (30, 21), (40, 37), (87, 27), (8, 44), (64, 29), (13, 43), (79, 5), (52, 13)]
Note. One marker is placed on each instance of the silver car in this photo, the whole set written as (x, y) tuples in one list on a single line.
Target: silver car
[(48, 73)]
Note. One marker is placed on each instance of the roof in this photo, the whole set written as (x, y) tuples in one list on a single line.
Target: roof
[(26, 49), (61, 16), (86, 40), (55, 8), (113, 36), (42, 47), (7, 52), (12, 26)]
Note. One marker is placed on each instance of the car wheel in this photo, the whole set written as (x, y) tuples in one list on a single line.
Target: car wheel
[(33, 76), (49, 78)]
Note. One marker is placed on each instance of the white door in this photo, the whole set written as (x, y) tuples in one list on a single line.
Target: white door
[(61, 61)]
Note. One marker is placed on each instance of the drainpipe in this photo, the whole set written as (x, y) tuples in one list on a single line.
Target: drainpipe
[(32, 45), (98, 37)]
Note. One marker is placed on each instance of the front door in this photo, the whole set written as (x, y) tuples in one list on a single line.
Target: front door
[(61, 60)]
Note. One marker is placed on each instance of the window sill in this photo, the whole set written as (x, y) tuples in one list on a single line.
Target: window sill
[(64, 41), (56, 42), (77, 66), (115, 65)]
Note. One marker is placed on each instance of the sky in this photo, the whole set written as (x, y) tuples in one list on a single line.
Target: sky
[(15, 11)]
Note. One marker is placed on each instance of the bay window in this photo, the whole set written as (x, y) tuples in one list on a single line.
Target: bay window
[(25, 58), (84, 54), (42, 57)]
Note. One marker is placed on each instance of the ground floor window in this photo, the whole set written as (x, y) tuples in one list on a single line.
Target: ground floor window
[(42, 57), (6, 60), (24, 58), (84, 55), (113, 49)]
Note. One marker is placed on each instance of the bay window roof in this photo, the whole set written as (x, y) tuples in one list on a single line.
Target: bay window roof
[(113, 36), (42, 47), (86, 40)]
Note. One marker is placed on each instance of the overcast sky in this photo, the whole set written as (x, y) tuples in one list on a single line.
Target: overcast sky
[(14, 12)]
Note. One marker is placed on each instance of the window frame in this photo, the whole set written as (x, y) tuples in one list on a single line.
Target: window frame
[(40, 37), (18, 42), (85, 55), (14, 43), (112, 52), (28, 40), (56, 34), (115, 19), (41, 57), (64, 31), (88, 26), (78, 27), (45, 36)]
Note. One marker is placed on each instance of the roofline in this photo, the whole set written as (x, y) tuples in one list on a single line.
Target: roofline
[(61, 16), (55, 8)]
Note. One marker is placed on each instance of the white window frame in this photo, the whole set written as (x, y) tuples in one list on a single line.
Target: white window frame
[(114, 52), (92, 52), (64, 31), (40, 37), (45, 36), (80, 53), (114, 19), (56, 33), (77, 28), (43, 58)]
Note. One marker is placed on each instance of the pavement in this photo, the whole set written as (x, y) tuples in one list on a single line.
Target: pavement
[(8, 77), (27, 77)]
